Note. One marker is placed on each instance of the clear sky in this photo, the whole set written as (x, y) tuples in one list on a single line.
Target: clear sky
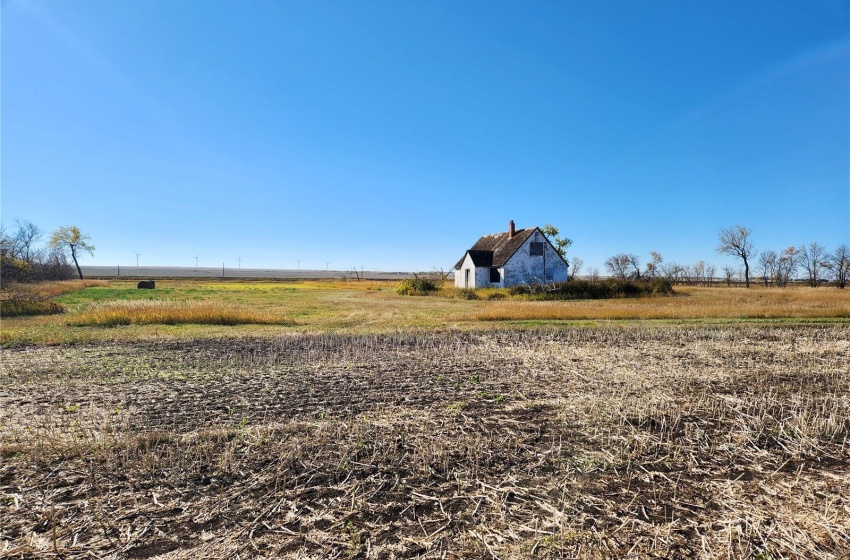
[(392, 134)]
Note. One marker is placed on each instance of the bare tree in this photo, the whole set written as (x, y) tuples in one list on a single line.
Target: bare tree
[(441, 275), (26, 235), (839, 264), (623, 266), (575, 267), (767, 265), (729, 273), (672, 271), (812, 258), (653, 267), (593, 274), (786, 265), (710, 271), (699, 272), (69, 238), (735, 242)]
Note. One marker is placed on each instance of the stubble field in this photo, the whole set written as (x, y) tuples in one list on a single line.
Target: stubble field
[(611, 441)]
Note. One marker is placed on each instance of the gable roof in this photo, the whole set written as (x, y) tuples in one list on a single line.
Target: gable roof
[(496, 248)]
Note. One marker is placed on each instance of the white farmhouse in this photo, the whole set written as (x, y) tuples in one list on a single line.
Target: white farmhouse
[(509, 258)]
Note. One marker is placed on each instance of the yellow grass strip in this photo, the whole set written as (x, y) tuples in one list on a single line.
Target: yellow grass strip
[(116, 313), (59, 287), (693, 303)]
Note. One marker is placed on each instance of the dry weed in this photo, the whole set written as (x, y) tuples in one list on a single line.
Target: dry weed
[(162, 312)]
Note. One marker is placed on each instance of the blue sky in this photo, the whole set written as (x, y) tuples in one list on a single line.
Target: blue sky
[(390, 135)]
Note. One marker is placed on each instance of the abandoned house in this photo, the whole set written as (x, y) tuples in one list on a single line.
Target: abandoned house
[(509, 258)]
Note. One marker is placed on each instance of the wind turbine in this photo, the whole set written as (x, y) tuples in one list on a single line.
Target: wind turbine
[(327, 265), (196, 261), (240, 262), (299, 265), (137, 258)]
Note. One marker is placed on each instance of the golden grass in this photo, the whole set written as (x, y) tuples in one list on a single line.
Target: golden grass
[(692, 303), (374, 307), (20, 300), (60, 287), (144, 312)]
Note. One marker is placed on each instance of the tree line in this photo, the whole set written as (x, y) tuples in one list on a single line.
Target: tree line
[(22, 259), (814, 261)]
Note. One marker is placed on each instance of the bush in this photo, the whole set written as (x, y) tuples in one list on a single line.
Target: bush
[(417, 287), (24, 303), (585, 289), (466, 293)]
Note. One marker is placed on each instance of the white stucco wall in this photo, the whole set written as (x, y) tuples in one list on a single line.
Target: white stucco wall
[(522, 267), (460, 275)]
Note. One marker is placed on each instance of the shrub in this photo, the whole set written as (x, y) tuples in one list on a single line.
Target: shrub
[(585, 289), (466, 293), (21, 303), (417, 287)]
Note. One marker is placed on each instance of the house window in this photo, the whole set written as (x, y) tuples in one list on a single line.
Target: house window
[(495, 277), (536, 249)]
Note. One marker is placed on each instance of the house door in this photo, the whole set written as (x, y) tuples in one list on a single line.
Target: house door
[(466, 278)]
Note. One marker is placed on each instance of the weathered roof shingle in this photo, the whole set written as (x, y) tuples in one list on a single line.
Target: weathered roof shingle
[(496, 248)]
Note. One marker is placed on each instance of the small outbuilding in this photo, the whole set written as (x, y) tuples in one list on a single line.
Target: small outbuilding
[(509, 258)]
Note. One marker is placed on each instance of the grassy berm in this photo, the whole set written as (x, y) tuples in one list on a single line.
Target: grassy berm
[(628, 442)]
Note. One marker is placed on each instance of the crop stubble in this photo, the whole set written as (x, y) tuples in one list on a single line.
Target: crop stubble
[(588, 443)]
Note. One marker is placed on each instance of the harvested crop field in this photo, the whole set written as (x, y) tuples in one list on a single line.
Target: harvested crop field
[(573, 443)]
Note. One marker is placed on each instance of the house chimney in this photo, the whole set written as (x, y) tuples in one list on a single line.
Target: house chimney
[(511, 230)]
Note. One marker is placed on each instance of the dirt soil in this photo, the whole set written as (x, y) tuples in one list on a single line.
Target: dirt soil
[(647, 442)]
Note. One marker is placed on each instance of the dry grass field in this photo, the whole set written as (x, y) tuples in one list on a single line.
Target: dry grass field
[(181, 309), (605, 442), (212, 419)]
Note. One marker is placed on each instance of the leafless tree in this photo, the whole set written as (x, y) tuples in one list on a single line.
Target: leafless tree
[(767, 265), (653, 267), (623, 266), (812, 258), (687, 274), (24, 240), (729, 273), (710, 271), (441, 275), (699, 272), (593, 274), (839, 264), (786, 265), (575, 267), (735, 242)]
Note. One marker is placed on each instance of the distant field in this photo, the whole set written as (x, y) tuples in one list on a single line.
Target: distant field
[(373, 306), (207, 272)]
